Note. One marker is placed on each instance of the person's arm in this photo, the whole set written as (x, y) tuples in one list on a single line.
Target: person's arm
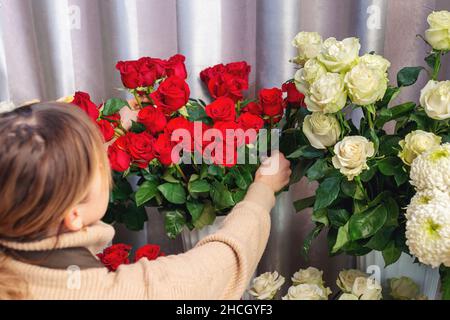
[(221, 265)]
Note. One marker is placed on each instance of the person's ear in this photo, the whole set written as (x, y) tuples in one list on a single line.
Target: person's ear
[(73, 220)]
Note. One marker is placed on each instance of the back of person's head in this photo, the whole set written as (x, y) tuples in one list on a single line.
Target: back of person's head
[(49, 154)]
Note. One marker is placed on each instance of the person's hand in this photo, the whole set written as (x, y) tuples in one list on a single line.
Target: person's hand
[(274, 172)]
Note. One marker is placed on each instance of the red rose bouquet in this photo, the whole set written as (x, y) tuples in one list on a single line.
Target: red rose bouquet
[(193, 160)]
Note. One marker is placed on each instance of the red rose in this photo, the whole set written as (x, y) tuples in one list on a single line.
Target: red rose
[(163, 150), (223, 109), (149, 251), (175, 66), (227, 85), (150, 70), (153, 119), (253, 108), (115, 256), (129, 72), (171, 95), (199, 142), (272, 102), (295, 98), (186, 136), (239, 69), (107, 129), (250, 121), (118, 156), (231, 132), (209, 73), (141, 148), (114, 120), (83, 100)]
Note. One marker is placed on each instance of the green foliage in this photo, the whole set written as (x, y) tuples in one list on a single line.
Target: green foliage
[(113, 106), (408, 76)]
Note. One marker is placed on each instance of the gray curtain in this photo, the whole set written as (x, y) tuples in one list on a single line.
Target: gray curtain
[(50, 48)]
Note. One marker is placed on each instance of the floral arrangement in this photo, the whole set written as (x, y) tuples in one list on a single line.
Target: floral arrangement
[(119, 254), (191, 159), (308, 284), (363, 165)]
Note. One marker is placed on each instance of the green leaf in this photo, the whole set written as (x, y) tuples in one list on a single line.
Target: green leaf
[(380, 239), (408, 76), (390, 95), (168, 176), (304, 203), (146, 192), (306, 152), (173, 192), (207, 217), (318, 170), (327, 192), (401, 177), (445, 282), (199, 186), (239, 179), (393, 212), (112, 106), (338, 217), (174, 223), (137, 127), (195, 209), (320, 216), (389, 145), (432, 59), (134, 218), (121, 190), (352, 190), (239, 195), (216, 171), (367, 175), (221, 196), (309, 239), (391, 254), (388, 114), (342, 239), (389, 166), (365, 224)]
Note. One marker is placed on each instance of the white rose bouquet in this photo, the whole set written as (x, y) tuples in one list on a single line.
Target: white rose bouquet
[(362, 171)]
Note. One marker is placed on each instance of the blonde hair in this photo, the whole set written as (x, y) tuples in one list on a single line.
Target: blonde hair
[(49, 154)]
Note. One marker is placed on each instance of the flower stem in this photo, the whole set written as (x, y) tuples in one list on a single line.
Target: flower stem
[(136, 96), (181, 172), (437, 67)]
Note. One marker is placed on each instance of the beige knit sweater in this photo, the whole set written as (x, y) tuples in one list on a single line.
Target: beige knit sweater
[(219, 267)]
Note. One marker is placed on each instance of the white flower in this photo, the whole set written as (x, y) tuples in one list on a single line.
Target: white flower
[(365, 85), (438, 35), (428, 233), (327, 94), (367, 289), (307, 292), (304, 77), (351, 155), (435, 99), (376, 62), (403, 288), (310, 275), (322, 130), (416, 143), (347, 278), (66, 99), (431, 170), (266, 286), (308, 44), (339, 56), (7, 106), (425, 197), (348, 296)]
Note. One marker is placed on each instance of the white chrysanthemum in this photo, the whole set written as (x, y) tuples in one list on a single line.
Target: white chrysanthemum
[(431, 170), (266, 286), (428, 232), (425, 197)]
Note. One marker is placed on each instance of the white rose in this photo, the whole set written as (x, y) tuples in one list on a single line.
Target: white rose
[(435, 98), (7, 106), (347, 278), (266, 286), (327, 94), (438, 35), (375, 61), (310, 275), (307, 292), (339, 56), (308, 44), (365, 85), (304, 77), (367, 289), (403, 288), (351, 155), (322, 130), (348, 296), (416, 143)]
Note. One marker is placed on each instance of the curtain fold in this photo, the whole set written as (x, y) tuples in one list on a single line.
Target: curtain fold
[(49, 48)]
